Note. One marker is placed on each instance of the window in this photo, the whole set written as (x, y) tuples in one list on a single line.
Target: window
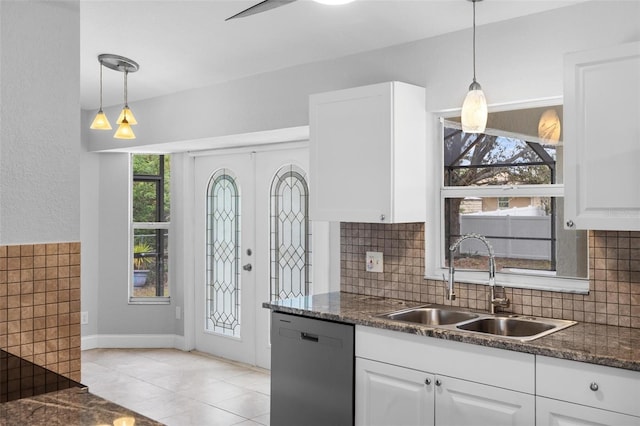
[(506, 185), (503, 202), (150, 213), (290, 234)]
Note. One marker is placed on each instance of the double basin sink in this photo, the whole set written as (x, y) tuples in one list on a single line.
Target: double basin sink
[(516, 327)]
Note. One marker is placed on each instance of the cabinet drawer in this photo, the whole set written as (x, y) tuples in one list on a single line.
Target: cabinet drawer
[(550, 412), (614, 389), (491, 366)]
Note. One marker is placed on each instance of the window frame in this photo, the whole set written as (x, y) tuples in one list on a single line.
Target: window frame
[(435, 228), (133, 226)]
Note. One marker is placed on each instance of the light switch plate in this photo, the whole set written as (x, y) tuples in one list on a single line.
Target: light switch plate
[(375, 261), (84, 318)]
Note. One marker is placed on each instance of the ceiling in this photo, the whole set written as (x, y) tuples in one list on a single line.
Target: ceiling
[(187, 44)]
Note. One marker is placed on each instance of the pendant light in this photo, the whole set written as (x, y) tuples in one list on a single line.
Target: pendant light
[(101, 122), (126, 111), (549, 126), (474, 109), (126, 119), (124, 129)]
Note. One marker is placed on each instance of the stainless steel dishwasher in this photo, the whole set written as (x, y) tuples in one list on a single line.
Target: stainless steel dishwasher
[(312, 372)]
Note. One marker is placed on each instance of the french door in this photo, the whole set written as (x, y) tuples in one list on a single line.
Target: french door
[(252, 245)]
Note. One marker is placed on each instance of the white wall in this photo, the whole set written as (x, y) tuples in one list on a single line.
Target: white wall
[(89, 229), (40, 131), (518, 60)]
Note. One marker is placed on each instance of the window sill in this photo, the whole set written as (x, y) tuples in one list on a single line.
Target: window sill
[(531, 282), (149, 300)]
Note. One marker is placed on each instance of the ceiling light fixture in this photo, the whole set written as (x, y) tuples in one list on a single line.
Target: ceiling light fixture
[(101, 122), (474, 109), (126, 118)]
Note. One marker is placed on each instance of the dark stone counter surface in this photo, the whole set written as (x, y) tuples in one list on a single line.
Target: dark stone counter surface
[(592, 343), (73, 406)]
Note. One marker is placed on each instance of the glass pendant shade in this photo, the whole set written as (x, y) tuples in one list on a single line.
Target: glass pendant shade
[(124, 131), (474, 110), (130, 118), (101, 122), (549, 126)]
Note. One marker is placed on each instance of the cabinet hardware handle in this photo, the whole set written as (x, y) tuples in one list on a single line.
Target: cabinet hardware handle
[(438, 382), (427, 381), (570, 224), (382, 218), (593, 386)]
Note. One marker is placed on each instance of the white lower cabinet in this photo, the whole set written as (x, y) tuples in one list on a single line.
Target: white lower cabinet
[(460, 402), (388, 395), (551, 412), (400, 382), (576, 393)]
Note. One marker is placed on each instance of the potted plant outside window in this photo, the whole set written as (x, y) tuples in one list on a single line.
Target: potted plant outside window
[(141, 263)]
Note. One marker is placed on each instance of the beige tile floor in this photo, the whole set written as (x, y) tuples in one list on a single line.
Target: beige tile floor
[(179, 388)]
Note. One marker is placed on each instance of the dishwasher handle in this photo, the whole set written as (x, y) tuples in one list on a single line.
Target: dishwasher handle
[(309, 337)]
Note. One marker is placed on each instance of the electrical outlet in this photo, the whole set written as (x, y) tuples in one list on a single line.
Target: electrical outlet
[(375, 261), (178, 312), (84, 318)]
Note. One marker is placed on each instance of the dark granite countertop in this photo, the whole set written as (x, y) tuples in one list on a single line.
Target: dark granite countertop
[(593, 343), (73, 406)]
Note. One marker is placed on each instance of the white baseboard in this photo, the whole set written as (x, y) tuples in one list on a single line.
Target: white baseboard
[(133, 341), (89, 342)]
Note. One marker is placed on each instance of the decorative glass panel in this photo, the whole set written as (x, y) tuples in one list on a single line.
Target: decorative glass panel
[(290, 234), (223, 255)]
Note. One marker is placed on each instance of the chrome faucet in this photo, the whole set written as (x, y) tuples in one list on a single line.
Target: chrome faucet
[(493, 300)]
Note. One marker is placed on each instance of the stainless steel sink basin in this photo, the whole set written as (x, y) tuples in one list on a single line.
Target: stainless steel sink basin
[(524, 328), (431, 316), (516, 327)]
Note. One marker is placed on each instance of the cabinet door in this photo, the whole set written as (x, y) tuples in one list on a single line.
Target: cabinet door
[(368, 154), (551, 412), (388, 395), (459, 402), (602, 138)]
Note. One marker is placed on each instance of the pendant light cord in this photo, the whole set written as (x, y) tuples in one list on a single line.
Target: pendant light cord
[(101, 86), (474, 40), (126, 102)]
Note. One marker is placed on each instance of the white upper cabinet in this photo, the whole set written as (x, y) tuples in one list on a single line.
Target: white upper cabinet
[(602, 138), (368, 154)]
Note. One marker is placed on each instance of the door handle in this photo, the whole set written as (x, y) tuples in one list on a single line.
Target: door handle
[(247, 267)]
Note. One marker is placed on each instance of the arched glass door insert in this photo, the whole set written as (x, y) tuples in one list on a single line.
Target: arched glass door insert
[(290, 234), (223, 255)]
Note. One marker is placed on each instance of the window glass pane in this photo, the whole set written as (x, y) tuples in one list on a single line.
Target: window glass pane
[(223, 255), (145, 201), (481, 160), (167, 189), (290, 234), (527, 237), (147, 164), (150, 265)]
